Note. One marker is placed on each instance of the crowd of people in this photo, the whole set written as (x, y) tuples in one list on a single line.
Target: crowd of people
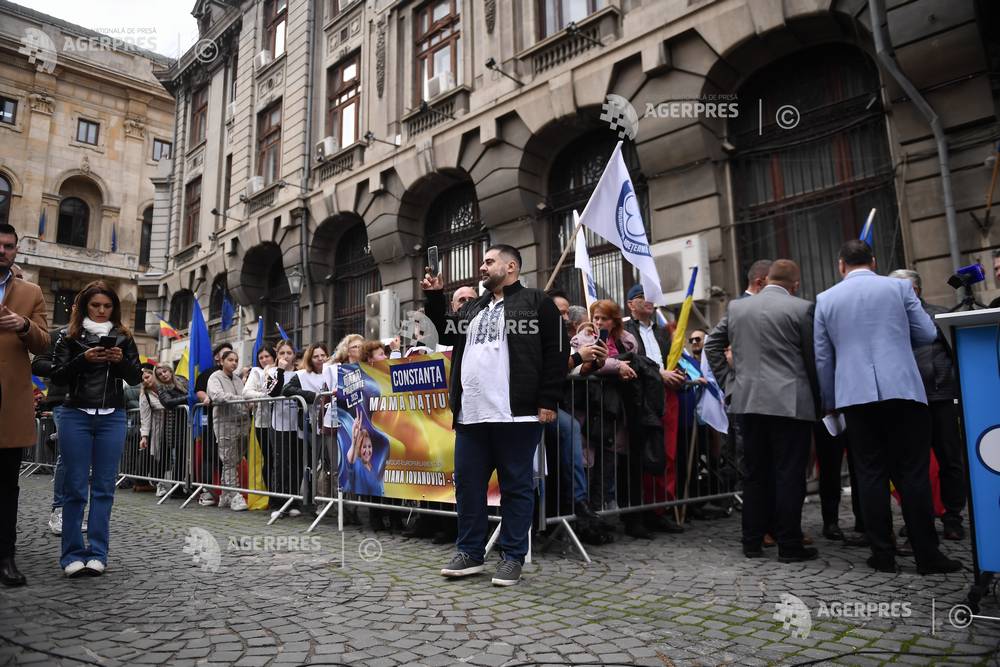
[(621, 430)]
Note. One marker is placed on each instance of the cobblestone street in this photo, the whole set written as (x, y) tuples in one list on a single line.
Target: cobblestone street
[(691, 599)]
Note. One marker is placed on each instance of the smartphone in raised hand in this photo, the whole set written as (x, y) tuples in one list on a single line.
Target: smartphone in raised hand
[(603, 335), (107, 342), (433, 261)]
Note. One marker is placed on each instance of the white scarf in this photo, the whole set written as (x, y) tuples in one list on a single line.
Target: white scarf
[(97, 328)]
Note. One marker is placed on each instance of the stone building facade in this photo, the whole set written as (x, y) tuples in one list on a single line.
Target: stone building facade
[(333, 141), (84, 124)]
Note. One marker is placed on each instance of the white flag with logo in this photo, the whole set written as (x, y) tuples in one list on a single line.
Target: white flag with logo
[(613, 214), (582, 262)]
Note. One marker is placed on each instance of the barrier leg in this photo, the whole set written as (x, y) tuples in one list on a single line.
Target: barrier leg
[(575, 540), (493, 540), (197, 492), (321, 514), (169, 493), (340, 510), (284, 508)]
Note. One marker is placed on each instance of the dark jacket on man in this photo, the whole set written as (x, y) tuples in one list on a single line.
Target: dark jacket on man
[(536, 345), (661, 335), (936, 363)]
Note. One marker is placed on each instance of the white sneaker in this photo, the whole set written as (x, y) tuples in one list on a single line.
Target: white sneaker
[(75, 568), (238, 504), (294, 512), (96, 566), (206, 499), (55, 521), (161, 490)]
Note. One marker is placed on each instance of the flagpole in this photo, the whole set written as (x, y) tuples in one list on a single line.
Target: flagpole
[(555, 271)]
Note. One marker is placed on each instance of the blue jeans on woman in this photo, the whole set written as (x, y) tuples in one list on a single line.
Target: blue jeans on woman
[(89, 443), (58, 470)]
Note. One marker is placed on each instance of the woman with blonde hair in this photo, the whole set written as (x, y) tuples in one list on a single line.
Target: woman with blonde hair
[(348, 350)]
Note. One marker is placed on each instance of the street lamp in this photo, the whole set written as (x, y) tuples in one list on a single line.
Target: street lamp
[(294, 276)]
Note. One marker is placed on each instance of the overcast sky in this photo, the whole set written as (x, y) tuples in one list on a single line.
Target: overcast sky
[(163, 27)]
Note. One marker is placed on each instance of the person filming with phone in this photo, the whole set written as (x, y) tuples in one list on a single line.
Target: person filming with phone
[(508, 366), (94, 355)]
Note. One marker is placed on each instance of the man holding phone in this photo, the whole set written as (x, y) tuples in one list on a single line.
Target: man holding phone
[(508, 366)]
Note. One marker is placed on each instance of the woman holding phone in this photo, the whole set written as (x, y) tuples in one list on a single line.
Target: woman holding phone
[(93, 357)]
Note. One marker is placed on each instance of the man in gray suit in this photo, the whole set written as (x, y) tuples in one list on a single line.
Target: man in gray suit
[(773, 391), (865, 331)]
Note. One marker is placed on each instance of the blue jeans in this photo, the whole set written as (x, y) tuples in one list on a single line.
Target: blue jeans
[(566, 434), (509, 448), (58, 471), (89, 443)]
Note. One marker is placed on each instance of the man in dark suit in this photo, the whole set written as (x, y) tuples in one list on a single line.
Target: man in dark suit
[(865, 330), (937, 370), (654, 342), (774, 392)]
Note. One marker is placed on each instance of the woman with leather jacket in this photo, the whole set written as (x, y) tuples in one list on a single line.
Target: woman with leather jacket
[(93, 424)]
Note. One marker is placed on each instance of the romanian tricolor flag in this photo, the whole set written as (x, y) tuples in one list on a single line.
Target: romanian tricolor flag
[(168, 331), (677, 344)]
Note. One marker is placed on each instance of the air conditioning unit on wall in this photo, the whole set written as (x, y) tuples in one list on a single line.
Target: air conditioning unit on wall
[(254, 185), (327, 147), (262, 60), (381, 315), (674, 260), (438, 84)]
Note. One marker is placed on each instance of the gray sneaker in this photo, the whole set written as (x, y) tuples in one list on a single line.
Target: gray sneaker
[(462, 565), (508, 573)]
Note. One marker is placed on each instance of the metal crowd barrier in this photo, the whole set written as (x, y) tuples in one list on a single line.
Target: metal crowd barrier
[(163, 458), (258, 447), (44, 454)]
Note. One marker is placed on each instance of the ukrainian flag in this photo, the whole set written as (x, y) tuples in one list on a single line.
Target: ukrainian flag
[(677, 344)]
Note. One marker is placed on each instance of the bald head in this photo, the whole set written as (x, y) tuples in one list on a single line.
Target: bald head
[(462, 296), (784, 272)]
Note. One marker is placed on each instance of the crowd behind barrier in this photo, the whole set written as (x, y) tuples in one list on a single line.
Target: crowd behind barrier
[(280, 453)]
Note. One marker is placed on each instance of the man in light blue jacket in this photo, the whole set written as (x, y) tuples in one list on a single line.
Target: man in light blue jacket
[(865, 330)]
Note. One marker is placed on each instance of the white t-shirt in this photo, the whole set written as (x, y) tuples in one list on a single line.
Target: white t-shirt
[(486, 370)]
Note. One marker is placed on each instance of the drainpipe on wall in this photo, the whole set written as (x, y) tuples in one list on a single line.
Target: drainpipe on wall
[(307, 170), (885, 56)]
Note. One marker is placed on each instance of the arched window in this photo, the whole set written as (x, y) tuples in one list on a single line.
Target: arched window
[(74, 219), (572, 180), (801, 192), (220, 292), (180, 309), (146, 236), (281, 305), (4, 200), (453, 225), (354, 275)]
